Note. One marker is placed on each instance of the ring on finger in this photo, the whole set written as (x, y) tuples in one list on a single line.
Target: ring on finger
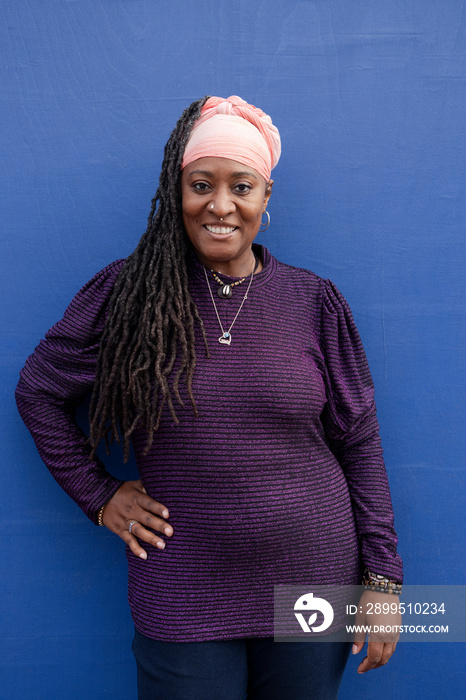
[(130, 527)]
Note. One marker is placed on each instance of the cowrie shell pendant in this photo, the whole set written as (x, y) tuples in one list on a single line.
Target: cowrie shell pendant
[(225, 291)]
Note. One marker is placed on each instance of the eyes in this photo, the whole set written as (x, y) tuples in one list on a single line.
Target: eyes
[(239, 188)]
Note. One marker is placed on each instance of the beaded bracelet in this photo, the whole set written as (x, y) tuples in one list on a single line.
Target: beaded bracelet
[(100, 515), (380, 584)]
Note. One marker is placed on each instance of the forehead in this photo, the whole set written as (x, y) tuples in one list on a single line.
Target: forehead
[(220, 168)]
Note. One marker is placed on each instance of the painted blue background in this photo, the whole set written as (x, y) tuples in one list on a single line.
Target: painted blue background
[(370, 99)]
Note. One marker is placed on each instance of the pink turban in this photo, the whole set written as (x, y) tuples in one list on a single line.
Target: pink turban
[(234, 129)]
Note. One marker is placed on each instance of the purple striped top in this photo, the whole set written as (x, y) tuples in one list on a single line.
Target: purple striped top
[(280, 479)]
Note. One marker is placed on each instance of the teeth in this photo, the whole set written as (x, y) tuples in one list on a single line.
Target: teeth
[(221, 229)]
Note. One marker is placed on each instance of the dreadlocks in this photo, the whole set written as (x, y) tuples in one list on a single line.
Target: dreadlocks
[(151, 317)]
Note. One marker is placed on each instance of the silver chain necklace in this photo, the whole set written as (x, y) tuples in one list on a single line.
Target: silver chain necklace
[(225, 338)]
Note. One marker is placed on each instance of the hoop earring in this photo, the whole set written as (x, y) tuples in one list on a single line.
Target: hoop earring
[(266, 226)]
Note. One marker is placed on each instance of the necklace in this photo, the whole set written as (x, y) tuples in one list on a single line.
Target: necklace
[(225, 338), (225, 291)]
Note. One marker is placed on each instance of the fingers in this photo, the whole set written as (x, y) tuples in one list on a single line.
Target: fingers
[(359, 637), (375, 612), (378, 654), (148, 503), (145, 518), (132, 504), (139, 532), (134, 545), (357, 646)]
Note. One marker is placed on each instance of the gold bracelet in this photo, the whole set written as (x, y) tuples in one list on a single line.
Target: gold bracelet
[(100, 515)]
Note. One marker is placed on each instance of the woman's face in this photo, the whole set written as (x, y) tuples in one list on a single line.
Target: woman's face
[(217, 188)]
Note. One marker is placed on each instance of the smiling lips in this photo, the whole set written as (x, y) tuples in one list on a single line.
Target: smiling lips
[(221, 229)]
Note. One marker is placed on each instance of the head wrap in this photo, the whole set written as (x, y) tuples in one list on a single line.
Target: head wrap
[(232, 128)]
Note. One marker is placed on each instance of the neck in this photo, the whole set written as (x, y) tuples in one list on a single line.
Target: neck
[(234, 268)]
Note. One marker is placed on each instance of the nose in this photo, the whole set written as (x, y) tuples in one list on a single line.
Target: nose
[(222, 204)]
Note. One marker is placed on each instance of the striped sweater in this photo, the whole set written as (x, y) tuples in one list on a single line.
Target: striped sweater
[(279, 480)]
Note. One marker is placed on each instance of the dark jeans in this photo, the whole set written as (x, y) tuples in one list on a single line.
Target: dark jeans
[(256, 668)]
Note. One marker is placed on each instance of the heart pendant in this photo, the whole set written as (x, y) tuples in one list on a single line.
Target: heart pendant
[(225, 339)]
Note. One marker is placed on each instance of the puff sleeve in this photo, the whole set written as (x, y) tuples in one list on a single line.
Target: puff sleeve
[(55, 379), (352, 431)]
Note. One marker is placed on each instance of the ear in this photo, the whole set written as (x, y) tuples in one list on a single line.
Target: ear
[(268, 193)]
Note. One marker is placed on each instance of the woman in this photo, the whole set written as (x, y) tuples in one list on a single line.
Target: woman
[(243, 387)]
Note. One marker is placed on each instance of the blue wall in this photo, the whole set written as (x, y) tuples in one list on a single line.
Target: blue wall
[(370, 99)]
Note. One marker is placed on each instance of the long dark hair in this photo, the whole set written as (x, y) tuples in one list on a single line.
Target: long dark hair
[(150, 318)]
